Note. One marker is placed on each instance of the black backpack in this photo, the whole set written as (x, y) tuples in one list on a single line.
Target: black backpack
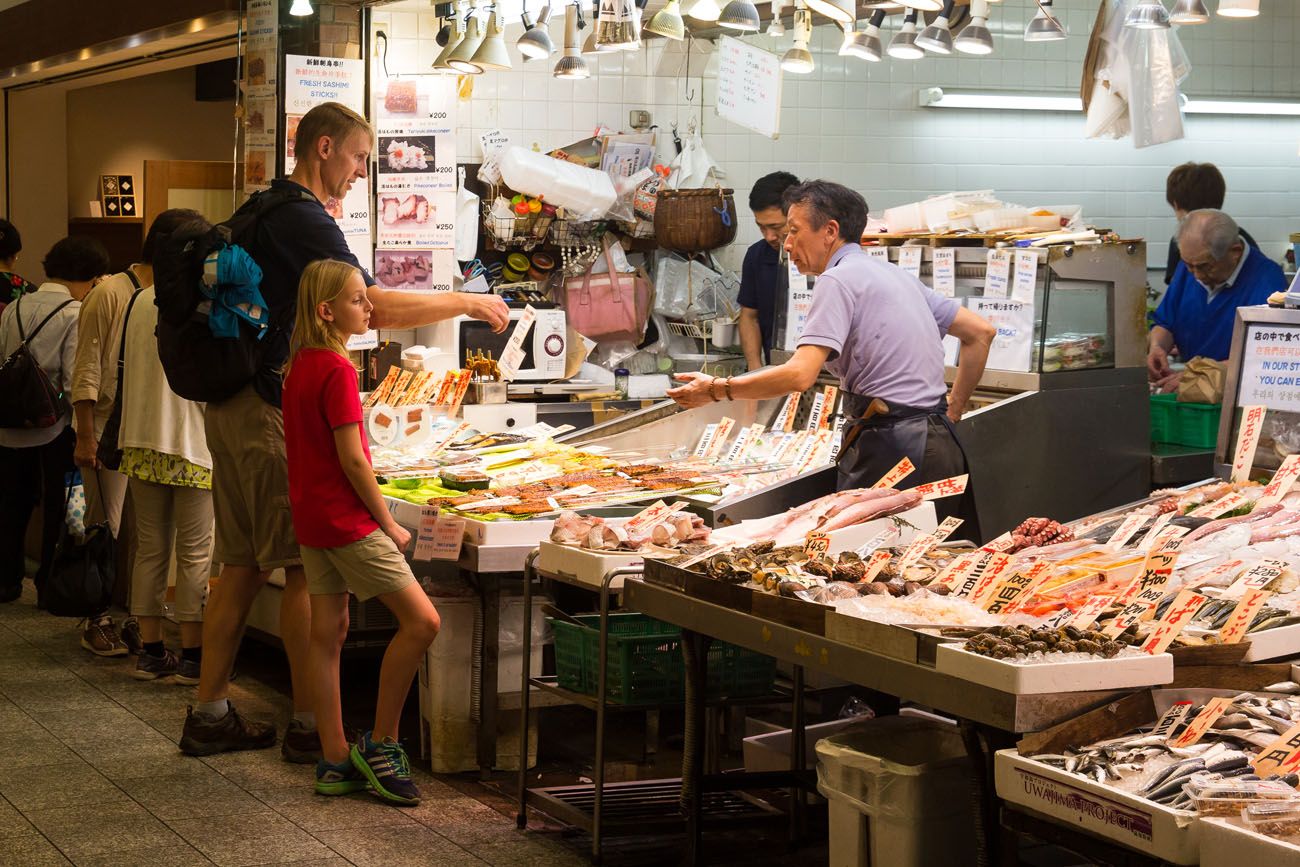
[(199, 365), (27, 397)]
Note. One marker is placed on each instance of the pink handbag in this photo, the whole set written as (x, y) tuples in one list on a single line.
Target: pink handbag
[(610, 306)]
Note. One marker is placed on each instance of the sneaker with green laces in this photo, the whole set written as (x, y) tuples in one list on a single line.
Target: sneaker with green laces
[(340, 779), (387, 769)]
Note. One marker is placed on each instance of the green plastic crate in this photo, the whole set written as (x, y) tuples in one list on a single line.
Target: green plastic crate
[(644, 662), (1198, 424), (1162, 417)]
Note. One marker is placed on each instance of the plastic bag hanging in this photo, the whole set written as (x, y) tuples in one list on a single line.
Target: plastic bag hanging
[(615, 23)]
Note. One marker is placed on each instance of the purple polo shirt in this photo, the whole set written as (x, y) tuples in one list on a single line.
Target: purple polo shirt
[(884, 328)]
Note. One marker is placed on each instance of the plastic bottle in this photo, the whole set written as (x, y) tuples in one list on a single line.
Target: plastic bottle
[(620, 382)]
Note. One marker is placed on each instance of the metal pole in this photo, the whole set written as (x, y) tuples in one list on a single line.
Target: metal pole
[(521, 818)]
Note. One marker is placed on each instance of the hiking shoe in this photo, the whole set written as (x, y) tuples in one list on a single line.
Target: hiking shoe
[(99, 636), (187, 671), (301, 745), (150, 667), (204, 737), (386, 767), (131, 636), (340, 779)]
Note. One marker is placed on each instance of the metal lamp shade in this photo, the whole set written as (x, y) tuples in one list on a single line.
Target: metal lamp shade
[(798, 60), (492, 53), (1189, 12), (462, 59), (936, 38), (453, 40), (667, 22), (903, 45), (1045, 27), (1148, 16), (705, 10), (864, 45), (571, 65), (1239, 8), (974, 38), (740, 15)]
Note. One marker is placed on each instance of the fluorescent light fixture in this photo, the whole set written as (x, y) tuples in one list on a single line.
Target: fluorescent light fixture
[(903, 45), (936, 38), (1189, 12), (706, 11), (740, 15), (1238, 8), (300, 7), (975, 37), (1044, 26), (937, 97), (667, 22), (1148, 15)]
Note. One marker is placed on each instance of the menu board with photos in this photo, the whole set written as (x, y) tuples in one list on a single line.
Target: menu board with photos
[(260, 72)]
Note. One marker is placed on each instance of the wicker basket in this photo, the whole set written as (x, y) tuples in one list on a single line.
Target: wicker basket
[(690, 221)]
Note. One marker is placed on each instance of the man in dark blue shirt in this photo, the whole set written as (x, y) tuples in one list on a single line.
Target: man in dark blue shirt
[(760, 276), (1219, 272)]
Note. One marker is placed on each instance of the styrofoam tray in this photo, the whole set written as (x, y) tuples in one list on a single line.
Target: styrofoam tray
[(585, 566), (922, 518), (527, 532), (1227, 843), (1072, 676), (1273, 643), (1173, 835)]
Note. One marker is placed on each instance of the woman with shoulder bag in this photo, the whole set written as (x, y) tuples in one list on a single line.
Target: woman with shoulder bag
[(163, 453), (35, 460)]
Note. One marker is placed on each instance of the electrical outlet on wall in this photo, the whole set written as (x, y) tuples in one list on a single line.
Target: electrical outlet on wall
[(638, 119)]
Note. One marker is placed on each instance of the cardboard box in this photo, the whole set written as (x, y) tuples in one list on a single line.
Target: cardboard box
[(1074, 676), (1139, 824)]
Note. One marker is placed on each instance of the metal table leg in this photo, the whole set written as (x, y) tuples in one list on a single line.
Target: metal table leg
[(490, 599), (695, 646), (530, 574), (798, 757)]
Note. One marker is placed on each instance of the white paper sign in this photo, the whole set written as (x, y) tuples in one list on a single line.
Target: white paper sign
[(951, 348), (1270, 368), (945, 271), (909, 259), (513, 353), (1026, 276), (749, 87), (879, 253), (798, 303), (1013, 345), (998, 274)]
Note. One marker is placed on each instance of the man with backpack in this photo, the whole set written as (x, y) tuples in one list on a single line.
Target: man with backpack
[(38, 340), (245, 431)]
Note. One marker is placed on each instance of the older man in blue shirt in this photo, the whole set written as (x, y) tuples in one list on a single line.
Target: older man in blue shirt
[(1219, 273)]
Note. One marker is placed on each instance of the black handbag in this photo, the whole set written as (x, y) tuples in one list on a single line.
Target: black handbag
[(80, 580), (27, 397), (108, 451)]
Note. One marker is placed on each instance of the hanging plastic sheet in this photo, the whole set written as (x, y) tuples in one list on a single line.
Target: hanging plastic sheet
[(1138, 73)]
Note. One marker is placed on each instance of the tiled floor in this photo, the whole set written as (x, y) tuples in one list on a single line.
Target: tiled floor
[(92, 776)]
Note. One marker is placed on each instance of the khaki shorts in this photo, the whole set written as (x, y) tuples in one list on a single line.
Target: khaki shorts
[(250, 483), (368, 567)]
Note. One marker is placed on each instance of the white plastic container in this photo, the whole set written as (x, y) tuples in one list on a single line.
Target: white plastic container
[(447, 702), (899, 793), (585, 194)]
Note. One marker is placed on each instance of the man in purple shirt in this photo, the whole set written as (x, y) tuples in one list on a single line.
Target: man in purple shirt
[(880, 330)]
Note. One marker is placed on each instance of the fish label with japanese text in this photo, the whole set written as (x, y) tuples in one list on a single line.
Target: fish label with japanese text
[(1148, 541), (706, 439), (1252, 425), (1282, 756), (830, 394), (956, 572), (1204, 721), (816, 413), (944, 488), (720, 436), (875, 564), (784, 421), (1169, 721), (923, 544), (992, 574), (1258, 576), (1000, 544), (1091, 610), (1180, 613), (817, 545), (1221, 506), (1283, 480), (1017, 587), (901, 470), (1242, 616), (1127, 530)]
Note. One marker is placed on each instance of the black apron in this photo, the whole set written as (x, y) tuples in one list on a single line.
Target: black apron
[(925, 435)]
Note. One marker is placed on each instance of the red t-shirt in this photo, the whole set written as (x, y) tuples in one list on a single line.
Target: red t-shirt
[(320, 394)]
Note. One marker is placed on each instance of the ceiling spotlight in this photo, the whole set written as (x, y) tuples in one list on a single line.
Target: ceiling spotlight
[(799, 59), (1189, 12), (1044, 26), (300, 7), (571, 65), (903, 45), (740, 15), (839, 11), (536, 41), (975, 37), (668, 22), (865, 44), (1239, 8), (1148, 15), (777, 27), (705, 10), (456, 34), (492, 53), (937, 38), (462, 59)]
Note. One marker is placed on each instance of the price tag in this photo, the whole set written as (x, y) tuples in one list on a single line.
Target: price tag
[(955, 573), (1280, 757), (922, 544), (720, 436), (993, 573), (1235, 629), (901, 470), (580, 491), (880, 254), (997, 274), (945, 271), (1000, 544), (1218, 572), (1127, 530), (817, 545), (1180, 613), (751, 442), (1283, 480), (739, 447), (490, 504), (706, 440), (789, 442), (1204, 721), (811, 448), (1139, 609), (1168, 538), (909, 259), (494, 142), (513, 354), (1018, 586), (1257, 577), (1091, 610), (816, 412), (837, 437), (1221, 506), (877, 541), (1169, 721), (1057, 620), (947, 488), (1148, 541), (1252, 424), (448, 536), (424, 534), (785, 418), (875, 564), (1026, 276), (829, 394)]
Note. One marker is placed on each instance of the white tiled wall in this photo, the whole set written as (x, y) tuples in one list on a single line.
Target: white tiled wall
[(860, 124)]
